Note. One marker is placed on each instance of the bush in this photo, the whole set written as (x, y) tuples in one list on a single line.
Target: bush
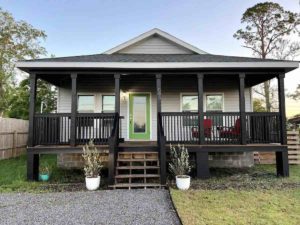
[(92, 162), (179, 164)]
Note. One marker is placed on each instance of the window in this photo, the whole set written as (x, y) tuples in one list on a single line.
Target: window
[(214, 102), (86, 103), (189, 103), (108, 103)]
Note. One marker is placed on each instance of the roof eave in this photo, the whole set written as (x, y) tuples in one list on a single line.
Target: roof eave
[(287, 66)]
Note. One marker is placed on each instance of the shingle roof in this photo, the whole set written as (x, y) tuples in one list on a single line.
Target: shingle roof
[(152, 58)]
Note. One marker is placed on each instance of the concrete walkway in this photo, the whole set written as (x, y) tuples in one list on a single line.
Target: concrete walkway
[(101, 207)]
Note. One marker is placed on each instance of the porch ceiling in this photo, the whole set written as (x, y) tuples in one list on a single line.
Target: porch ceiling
[(61, 78)]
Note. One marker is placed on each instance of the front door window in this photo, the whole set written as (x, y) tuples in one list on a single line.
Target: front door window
[(139, 113), (139, 118)]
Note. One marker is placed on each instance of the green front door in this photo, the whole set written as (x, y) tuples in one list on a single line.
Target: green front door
[(139, 116)]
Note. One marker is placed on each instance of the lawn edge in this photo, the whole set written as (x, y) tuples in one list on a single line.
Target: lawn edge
[(173, 205)]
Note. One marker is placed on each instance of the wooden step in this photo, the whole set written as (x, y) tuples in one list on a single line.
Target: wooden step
[(136, 167), (144, 149), (137, 160), (136, 185), (137, 176), (140, 153)]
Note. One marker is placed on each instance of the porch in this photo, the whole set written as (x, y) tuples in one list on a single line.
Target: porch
[(201, 132)]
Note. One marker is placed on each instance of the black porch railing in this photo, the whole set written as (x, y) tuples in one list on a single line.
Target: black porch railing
[(220, 127), (94, 126), (55, 129), (52, 129), (177, 127), (263, 127)]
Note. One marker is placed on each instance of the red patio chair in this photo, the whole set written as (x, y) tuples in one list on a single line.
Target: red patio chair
[(207, 129), (231, 132)]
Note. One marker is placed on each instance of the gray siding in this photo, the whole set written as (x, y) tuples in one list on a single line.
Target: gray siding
[(155, 45), (172, 89)]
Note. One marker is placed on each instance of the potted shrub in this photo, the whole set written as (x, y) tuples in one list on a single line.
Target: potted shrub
[(180, 167), (92, 166), (44, 173)]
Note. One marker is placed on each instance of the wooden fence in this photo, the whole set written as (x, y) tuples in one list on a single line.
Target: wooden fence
[(13, 137), (293, 148)]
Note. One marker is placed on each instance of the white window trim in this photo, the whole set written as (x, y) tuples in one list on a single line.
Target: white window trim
[(214, 93), (87, 94), (204, 98), (101, 98), (186, 94)]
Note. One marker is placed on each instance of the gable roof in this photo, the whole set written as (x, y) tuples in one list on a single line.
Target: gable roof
[(155, 32), (194, 58)]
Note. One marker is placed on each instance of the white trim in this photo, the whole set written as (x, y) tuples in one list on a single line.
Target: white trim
[(58, 101), (156, 65), (204, 98), (214, 93), (101, 98), (188, 94), (151, 33), (128, 115), (87, 94), (251, 99)]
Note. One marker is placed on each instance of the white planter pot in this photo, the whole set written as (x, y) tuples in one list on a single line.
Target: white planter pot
[(183, 182), (92, 183)]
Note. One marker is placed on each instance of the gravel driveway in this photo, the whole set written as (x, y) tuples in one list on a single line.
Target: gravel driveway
[(101, 207)]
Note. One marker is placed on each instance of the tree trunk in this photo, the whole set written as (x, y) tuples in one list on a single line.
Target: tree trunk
[(267, 95)]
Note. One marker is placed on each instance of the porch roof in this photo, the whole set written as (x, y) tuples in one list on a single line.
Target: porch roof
[(156, 61)]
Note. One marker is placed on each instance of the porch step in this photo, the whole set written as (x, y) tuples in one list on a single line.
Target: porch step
[(137, 176), (137, 152), (136, 185), (136, 160), (137, 169), (138, 148)]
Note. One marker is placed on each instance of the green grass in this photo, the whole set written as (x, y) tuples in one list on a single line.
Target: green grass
[(252, 196), (13, 175), (238, 207)]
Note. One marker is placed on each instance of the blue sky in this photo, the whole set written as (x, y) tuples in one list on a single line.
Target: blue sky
[(77, 27)]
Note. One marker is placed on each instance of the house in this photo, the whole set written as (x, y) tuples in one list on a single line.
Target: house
[(138, 97)]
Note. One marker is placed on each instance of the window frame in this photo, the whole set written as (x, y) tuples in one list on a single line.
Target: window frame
[(94, 102), (215, 93), (102, 103), (181, 101)]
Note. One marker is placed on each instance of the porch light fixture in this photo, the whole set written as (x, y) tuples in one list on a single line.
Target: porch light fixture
[(124, 95)]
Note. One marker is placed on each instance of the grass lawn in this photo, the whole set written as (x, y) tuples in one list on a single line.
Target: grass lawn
[(13, 176), (253, 196)]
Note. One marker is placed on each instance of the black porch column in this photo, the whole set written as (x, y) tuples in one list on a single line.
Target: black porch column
[(200, 77), (117, 93), (32, 159), (202, 167), (32, 83), (242, 108), (73, 109), (158, 95), (113, 142), (282, 161), (160, 137)]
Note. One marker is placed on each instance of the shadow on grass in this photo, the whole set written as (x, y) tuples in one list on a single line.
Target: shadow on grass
[(257, 177), (13, 176)]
